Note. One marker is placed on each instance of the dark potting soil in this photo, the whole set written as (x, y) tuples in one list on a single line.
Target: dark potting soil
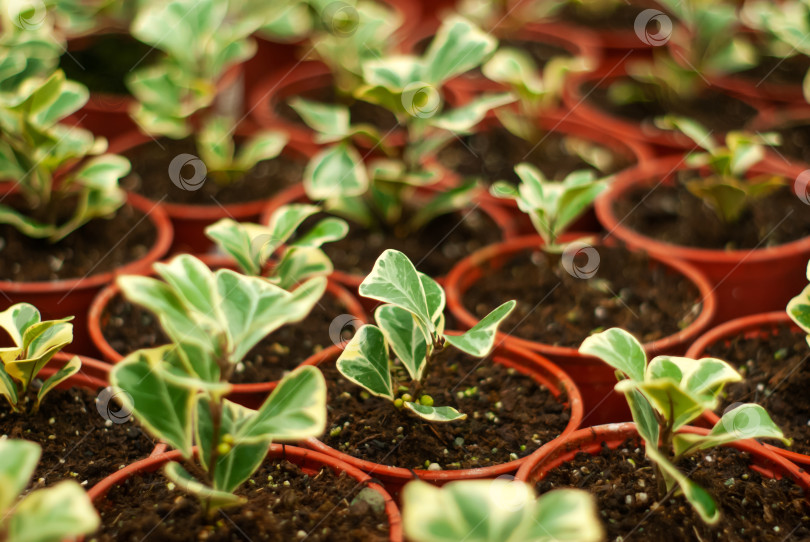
[(556, 308), (150, 176), (795, 140), (77, 442), (716, 111), (99, 246), (778, 71), (509, 415), (669, 213), (752, 507), (621, 17), (128, 327), (434, 249), (284, 504), (540, 52), (776, 374), (103, 62), (492, 155)]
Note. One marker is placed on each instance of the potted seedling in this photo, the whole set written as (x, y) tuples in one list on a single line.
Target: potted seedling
[(62, 203), (404, 368), (192, 100), (568, 285), (664, 396), (729, 189), (497, 511), (48, 514)]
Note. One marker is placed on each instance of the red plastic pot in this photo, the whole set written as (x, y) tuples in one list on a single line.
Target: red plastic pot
[(394, 478), (757, 325), (72, 297), (594, 378), (309, 461), (250, 395), (776, 118), (591, 439), (189, 221), (744, 281)]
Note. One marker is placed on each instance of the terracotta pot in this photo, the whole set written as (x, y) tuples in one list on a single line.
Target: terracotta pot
[(756, 325), (738, 277), (594, 378), (189, 221), (590, 440), (60, 298), (309, 461), (251, 395), (394, 478)]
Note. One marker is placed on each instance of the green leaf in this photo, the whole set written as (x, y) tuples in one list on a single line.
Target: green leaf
[(326, 231), (458, 46), (566, 514), (215, 143), (300, 263), (435, 297), (365, 362), (798, 308), (55, 100), (103, 172), (41, 341), (15, 321), (619, 349), (193, 283), (667, 397), (700, 500), (336, 171), (391, 74), (690, 128), (405, 336), (250, 245), (214, 499), (8, 388), (20, 458), (444, 203), (395, 280), (69, 369), (435, 414), (53, 514), (644, 417), (748, 421), (464, 118), (479, 340), (330, 121), (264, 145)]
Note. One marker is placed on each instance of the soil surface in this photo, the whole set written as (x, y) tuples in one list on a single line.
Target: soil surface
[(284, 504), (669, 213), (554, 307), (77, 442), (434, 249), (103, 62), (778, 71), (621, 17), (751, 507), (150, 176), (509, 415), (492, 155), (716, 111), (795, 140), (776, 374), (128, 327), (99, 246)]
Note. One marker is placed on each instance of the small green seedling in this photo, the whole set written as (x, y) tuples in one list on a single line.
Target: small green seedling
[(666, 394), (799, 308), (177, 391), (252, 245), (56, 166), (552, 206), (411, 323), (726, 190), (50, 514), (35, 344), (497, 511)]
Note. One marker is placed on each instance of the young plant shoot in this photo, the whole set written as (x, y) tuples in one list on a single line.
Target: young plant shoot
[(252, 245), (799, 308), (35, 344), (727, 190), (177, 391), (666, 394), (497, 511), (51, 514), (411, 323)]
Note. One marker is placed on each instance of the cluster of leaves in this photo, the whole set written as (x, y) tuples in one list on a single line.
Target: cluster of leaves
[(177, 391), (45, 515), (727, 190), (411, 323), (666, 394)]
